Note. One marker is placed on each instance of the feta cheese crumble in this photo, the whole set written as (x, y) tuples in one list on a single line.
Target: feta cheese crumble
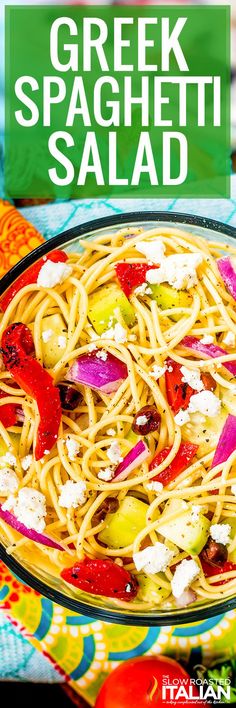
[(107, 474), (73, 494), (111, 431), (61, 342), (181, 418), (157, 371), (221, 533), (92, 347), (154, 487), (46, 335), (29, 508), (102, 354), (117, 333), (141, 289), (229, 339), (8, 459), (52, 274), (73, 448), (153, 250), (9, 482), (26, 462), (185, 573), (207, 339), (153, 559), (206, 403), (192, 377), (141, 420), (178, 270), (114, 453)]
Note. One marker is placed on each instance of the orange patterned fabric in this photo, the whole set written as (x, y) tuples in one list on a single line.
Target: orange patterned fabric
[(17, 236)]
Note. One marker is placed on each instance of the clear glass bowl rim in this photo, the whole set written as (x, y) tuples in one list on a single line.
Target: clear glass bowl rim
[(174, 617)]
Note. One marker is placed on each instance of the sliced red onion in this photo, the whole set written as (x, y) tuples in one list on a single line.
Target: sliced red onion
[(133, 459), (20, 414), (227, 441), (210, 351), (187, 598), (228, 274), (33, 535), (100, 375)]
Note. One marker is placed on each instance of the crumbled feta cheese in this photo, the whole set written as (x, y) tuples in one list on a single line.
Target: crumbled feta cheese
[(46, 452), (92, 347), (61, 342), (185, 573), (111, 431), (142, 420), (9, 482), (141, 289), (118, 333), (102, 354), (229, 339), (73, 448), (157, 371), (206, 403), (207, 339), (181, 417), (192, 377), (52, 274), (154, 487), (46, 335), (178, 270), (73, 494), (107, 474), (169, 368), (114, 453), (221, 533), (132, 337), (29, 508), (233, 489), (153, 249), (8, 459), (195, 511), (153, 559), (26, 462)]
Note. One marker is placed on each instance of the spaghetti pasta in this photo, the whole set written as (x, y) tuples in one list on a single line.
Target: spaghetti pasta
[(144, 329)]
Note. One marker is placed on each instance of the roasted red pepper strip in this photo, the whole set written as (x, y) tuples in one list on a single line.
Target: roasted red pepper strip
[(181, 461), (131, 275), (210, 570), (102, 577), (7, 412), (17, 347), (178, 392), (30, 276)]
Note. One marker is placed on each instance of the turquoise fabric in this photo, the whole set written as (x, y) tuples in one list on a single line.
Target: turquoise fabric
[(18, 659)]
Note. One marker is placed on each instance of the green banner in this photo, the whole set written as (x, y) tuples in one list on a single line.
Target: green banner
[(117, 101)]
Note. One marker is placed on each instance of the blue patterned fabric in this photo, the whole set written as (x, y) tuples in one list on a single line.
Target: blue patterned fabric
[(18, 659)]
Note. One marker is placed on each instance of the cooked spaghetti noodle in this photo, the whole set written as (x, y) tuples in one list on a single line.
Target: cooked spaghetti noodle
[(103, 422)]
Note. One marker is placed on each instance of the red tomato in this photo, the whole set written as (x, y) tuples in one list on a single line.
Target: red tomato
[(143, 682)]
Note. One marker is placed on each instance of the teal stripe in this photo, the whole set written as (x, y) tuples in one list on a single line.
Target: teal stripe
[(86, 661), (199, 628), (142, 648), (46, 619), (79, 620), (4, 592)]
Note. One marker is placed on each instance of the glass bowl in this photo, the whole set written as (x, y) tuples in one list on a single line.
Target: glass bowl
[(52, 587)]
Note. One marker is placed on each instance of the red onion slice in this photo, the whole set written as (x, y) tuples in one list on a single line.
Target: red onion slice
[(92, 371), (133, 459), (33, 535), (227, 441), (228, 274), (210, 351)]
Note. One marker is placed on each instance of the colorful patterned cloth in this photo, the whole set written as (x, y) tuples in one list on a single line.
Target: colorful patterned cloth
[(81, 650)]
